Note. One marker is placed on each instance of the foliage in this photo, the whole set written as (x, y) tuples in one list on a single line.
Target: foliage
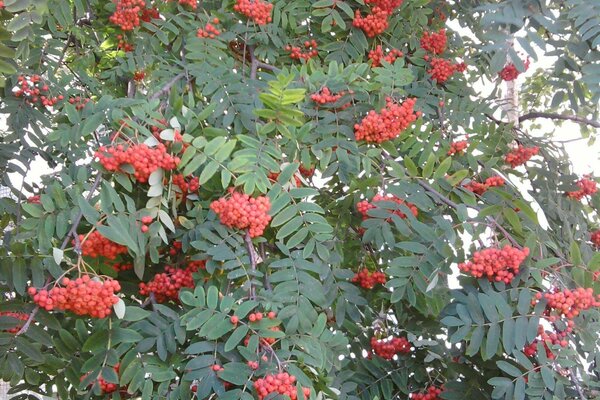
[(235, 112)]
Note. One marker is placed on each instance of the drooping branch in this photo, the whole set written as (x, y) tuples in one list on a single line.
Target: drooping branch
[(561, 117)]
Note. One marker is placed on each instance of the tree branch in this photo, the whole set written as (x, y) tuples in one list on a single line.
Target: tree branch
[(255, 64), (27, 323), (574, 118), (167, 86)]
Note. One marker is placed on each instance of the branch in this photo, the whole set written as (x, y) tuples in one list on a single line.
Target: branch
[(25, 326), (252, 256), (574, 118), (167, 86), (255, 64)]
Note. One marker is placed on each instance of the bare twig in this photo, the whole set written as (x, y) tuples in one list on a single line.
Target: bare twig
[(252, 257), (255, 64), (574, 118), (167, 86), (27, 323)]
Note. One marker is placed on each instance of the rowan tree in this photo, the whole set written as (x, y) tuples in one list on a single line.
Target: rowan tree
[(264, 199)]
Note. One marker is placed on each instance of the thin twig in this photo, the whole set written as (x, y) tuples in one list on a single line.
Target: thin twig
[(574, 118), (27, 323), (252, 256)]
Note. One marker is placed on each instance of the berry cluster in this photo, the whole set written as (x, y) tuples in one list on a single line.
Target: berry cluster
[(82, 296), (510, 71), (97, 245), (123, 44), (388, 124), (495, 264), (388, 348), (139, 76), (458, 147), (119, 267), (209, 30), (570, 303), (175, 248), (147, 220), (595, 238), (587, 188), (190, 184), (480, 188), (432, 393), (17, 315), (306, 172), (368, 279), (258, 11), (549, 338), (128, 13), (434, 42), (190, 3), (364, 206), (376, 56), (142, 158), (325, 96), (166, 285), (36, 199), (309, 51), (35, 91), (79, 102), (520, 155), (376, 22), (106, 387), (243, 212), (281, 383), (148, 14), (442, 69)]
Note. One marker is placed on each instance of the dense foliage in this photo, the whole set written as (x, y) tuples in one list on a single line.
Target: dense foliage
[(261, 199)]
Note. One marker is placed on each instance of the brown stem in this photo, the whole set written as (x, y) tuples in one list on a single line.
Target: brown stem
[(574, 118), (252, 257), (167, 86), (27, 323), (255, 64)]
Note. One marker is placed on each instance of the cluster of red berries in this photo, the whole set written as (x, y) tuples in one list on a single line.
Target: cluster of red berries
[(306, 172), (123, 44), (587, 188), (119, 267), (309, 51), (79, 102), (82, 296), (510, 71), (569, 303), (149, 14), (139, 76), (432, 393), (368, 279), (281, 383), (243, 212), (520, 155), (147, 220), (190, 184), (389, 123), (97, 245), (127, 15), (376, 56), (209, 30), (595, 238), (145, 160), (325, 96), (258, 11), (36, 199), (376, 22), (364, 206), (458, 147), (549, 338), (106, 387), (388, 348), (442, 69), (273, 176), (254, 317), (434, 42), (34, 90), (500, 265), (166, 285), (17, 315), (190, 3), (175, 248), (480, 188)]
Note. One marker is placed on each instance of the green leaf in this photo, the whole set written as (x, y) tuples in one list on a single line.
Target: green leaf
[(238, 334), (212, 297)]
